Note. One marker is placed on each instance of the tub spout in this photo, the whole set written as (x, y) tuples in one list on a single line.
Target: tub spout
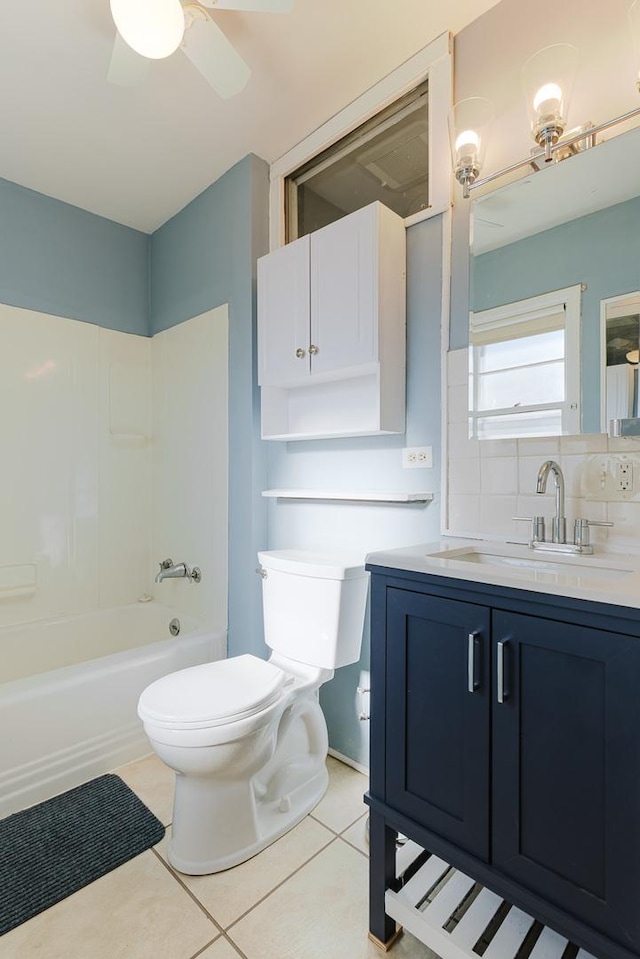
[(169, 570)]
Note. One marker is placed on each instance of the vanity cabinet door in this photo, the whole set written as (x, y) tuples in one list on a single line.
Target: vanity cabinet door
[(437, 715), (566, 768)]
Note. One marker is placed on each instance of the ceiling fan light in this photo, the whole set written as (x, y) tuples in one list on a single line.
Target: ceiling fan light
[(153, 28)]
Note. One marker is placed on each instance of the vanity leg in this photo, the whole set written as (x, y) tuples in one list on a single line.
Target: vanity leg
[(382, 874)]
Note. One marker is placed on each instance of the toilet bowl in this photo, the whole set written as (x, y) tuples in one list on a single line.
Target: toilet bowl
[(246, 737)]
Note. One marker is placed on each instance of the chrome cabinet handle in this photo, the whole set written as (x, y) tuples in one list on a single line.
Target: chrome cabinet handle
[(313, 350), (472, 682), (503, 692), (300, 353)]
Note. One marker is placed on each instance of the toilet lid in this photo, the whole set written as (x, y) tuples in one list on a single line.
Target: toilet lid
[(213, 693)]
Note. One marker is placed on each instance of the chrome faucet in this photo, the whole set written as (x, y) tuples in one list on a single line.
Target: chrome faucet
[(559, 522), (180, 571)]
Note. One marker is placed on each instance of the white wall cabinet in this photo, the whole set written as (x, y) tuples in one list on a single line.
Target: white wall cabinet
[(331, 330)]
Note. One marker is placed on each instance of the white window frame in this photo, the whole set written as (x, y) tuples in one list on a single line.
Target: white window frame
[(432, 63), (524, 311)]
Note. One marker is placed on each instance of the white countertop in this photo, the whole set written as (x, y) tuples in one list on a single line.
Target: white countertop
[(601, 577)]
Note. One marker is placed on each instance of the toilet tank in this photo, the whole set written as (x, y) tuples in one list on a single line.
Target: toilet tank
[(314, 606)]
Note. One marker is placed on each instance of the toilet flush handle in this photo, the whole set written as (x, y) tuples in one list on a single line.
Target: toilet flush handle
[(261, 571)]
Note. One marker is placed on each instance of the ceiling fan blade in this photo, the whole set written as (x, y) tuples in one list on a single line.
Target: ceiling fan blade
[(251, 6), (215, 57), (126, 68)]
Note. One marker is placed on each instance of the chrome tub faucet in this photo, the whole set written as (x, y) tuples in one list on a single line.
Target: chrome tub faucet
[(179, 571)]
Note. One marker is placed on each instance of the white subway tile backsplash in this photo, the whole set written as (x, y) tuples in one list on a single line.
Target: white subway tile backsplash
[(464, 476), (498, 476), (587, 443), (490, 448), (460, 446), (545, 447), (464, 513), (458, 399), (496, 515), (625, 534)]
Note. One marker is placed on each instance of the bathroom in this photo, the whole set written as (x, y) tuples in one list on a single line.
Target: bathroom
[(201, 260)]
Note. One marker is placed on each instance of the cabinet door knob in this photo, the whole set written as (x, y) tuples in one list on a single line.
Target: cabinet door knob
[(313, 350), (300, 353), (502, 689)]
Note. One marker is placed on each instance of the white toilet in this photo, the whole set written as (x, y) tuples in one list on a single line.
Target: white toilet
[(246, 737)]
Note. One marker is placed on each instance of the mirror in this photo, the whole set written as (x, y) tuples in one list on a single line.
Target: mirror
[(571, 226), (620, 345)]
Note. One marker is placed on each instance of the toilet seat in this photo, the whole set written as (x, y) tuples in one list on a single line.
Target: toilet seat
[(212, 694)]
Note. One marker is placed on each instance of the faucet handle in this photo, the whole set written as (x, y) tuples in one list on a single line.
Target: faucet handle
[(537, 526), (581, 530), (166, 563)]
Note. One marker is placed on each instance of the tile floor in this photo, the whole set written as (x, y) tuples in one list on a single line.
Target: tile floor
[(304, 897)]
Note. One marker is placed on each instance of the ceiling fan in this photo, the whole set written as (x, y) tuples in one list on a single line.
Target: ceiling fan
[(154, 29)]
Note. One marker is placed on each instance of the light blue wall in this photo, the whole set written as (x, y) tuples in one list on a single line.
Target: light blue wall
[(203, 257), (56, 258), (371, 463), (601, 251)]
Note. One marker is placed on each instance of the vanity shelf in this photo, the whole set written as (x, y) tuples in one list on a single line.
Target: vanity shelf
[(452, 914), (351, 496)]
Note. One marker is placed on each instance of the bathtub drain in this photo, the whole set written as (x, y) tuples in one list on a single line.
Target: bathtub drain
[(174, 627)]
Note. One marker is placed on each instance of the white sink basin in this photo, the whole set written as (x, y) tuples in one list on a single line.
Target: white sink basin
[(575, 567)]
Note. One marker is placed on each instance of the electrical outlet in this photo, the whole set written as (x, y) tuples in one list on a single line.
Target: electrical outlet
[(624, 476), (612, 478), (417, 457)]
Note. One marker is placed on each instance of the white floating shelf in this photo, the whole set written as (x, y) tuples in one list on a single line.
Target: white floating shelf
[(356, 496)]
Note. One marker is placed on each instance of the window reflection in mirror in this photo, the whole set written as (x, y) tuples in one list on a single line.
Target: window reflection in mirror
[(573, 223), (621, 347), (523, 363)]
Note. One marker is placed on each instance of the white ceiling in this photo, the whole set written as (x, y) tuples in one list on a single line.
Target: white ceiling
[(138, 155)]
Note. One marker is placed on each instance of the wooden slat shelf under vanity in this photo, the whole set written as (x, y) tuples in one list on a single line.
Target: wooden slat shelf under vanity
[(460, 919)]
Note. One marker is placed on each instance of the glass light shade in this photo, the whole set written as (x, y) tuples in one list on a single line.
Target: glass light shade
[(634, 20), (153, 28), (469, 124), (547, 78)]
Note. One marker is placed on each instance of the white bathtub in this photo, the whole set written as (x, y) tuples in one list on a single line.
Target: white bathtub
[(69, 690)]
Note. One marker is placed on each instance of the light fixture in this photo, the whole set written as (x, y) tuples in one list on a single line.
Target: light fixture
[(547, 78), (634, 20), (153, 28), (469, 123)]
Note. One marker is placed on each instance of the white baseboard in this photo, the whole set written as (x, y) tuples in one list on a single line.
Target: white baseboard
[(349, 762)]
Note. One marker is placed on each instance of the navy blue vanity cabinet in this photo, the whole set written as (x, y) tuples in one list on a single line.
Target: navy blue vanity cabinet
[(438, 651), (505, 739)]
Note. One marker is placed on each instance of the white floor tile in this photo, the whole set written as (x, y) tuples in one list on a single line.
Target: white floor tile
[(342, 803), (228, 895), (320, 912), (152, 781), (137, 911), (357, 834), (221, 949)]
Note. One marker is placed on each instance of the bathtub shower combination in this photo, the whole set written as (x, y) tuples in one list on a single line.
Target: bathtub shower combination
[(75, 718)]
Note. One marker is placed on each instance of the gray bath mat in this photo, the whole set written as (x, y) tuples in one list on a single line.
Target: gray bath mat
[(57, 847)]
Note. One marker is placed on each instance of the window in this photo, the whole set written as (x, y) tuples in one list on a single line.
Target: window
[(387, 165), (385, 159), (524, 368)]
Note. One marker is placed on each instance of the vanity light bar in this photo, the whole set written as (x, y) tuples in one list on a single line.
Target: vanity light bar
[(589, 134)]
